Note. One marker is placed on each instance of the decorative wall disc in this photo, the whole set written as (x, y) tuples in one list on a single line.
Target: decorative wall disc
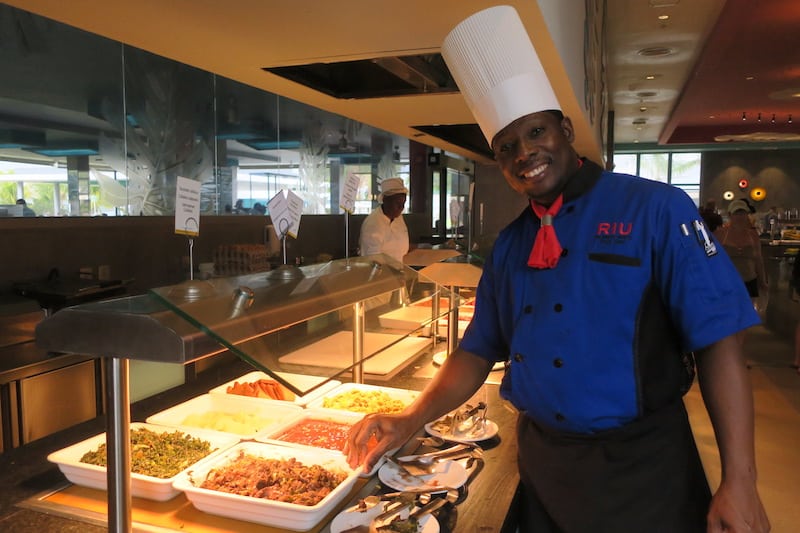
[(743, 183), (728, 195), (758, 194)]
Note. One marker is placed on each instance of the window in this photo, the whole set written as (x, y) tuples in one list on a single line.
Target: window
[(654, 167), (681, 169), (626, 164)]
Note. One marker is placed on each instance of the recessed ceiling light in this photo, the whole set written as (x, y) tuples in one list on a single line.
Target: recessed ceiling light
[(650, 77), (655, 51), (712, 116), (643, 108), (749, 78), (646, 94), (663, 17)]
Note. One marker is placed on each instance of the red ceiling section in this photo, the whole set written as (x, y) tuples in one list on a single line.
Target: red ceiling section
[(758, 39)]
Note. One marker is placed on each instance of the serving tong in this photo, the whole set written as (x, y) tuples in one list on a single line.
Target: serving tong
[(389, 517), (470, 421), (425, 463)]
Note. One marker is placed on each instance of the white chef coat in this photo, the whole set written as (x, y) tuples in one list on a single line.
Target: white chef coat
[(381, 235)]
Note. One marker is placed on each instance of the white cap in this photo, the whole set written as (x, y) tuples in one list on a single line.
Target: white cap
[(497, 70), (392, 186), (738, 205)]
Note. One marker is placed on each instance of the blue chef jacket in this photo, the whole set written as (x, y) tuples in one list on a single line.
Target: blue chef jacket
[(597, 341)]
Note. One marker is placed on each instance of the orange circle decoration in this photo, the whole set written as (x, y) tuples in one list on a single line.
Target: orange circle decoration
[(743, 183), (758, 194), (728, 195)]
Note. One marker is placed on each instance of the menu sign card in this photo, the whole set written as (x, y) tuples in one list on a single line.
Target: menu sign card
[(347, 200), (285, 211), (187, 207)]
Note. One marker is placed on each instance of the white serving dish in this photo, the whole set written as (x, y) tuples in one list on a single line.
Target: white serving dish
[(300, 380), (404, 395), (241, 416), (272, 436), (291, 516), (152, 488), (334, 415)]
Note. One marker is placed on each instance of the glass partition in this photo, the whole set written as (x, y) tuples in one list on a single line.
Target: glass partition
[(89, 126), (317, 320)]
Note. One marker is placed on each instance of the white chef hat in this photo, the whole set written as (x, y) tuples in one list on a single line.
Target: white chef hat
[(497, 70), (392, 186)]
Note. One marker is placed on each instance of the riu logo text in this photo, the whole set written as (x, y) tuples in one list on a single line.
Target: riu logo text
[(614, 229)]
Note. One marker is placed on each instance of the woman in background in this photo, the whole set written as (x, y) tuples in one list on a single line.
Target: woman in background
[(743, 245)]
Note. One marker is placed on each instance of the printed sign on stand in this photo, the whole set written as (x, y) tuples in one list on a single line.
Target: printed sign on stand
[(347, 199), (187, 207), (285, 211)]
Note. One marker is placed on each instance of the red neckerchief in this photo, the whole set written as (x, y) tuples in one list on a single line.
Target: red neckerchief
[(546, 249)]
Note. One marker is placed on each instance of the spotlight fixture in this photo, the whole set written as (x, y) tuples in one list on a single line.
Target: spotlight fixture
[(790, 119), (744, 116), (759, 118), (773, 118)]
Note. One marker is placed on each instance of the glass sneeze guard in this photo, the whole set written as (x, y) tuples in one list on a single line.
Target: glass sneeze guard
[(308, 324)]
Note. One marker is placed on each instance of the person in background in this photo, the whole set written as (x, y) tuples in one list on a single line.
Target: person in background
[(794, 283), (594, 315), (26, 211), (258, 209), (772, 222), (384, 230), (239, 208), (710, 216), (743, 246)]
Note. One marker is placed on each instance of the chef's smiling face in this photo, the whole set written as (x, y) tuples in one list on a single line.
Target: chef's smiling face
[(536, 156)]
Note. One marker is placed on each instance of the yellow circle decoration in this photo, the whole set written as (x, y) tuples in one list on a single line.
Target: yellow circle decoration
[(728, 195), (758, 194)]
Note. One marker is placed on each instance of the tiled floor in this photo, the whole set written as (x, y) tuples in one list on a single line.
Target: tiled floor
[(776, 389)]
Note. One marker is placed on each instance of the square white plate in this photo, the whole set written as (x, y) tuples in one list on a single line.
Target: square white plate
[(262, 511), (152, 488)]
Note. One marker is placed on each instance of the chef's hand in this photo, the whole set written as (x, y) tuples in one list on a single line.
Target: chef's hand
[(736, 508), (390, 431)]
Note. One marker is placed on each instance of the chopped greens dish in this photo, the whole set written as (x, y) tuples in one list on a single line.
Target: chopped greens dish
[(160, 455)]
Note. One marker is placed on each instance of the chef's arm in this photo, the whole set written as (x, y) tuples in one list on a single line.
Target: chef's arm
[(460, 376), (727, 393)]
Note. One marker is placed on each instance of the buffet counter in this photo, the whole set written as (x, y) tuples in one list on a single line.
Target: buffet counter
[(488, 505)]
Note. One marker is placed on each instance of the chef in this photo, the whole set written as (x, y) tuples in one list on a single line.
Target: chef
[(384, 230), (601, 295)]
